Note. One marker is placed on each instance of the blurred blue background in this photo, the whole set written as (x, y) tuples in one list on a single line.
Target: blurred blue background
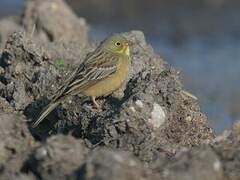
[(199, 38), (10, 7)]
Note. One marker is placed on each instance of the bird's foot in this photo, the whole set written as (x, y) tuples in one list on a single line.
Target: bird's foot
[(96, 106)]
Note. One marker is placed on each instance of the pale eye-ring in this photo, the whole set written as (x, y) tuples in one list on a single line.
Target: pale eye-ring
[(117, 43)]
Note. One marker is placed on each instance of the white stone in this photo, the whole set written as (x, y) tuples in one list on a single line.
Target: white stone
[(139, 103), (157, 116), (132, 109), (41, 153), (217, 165)]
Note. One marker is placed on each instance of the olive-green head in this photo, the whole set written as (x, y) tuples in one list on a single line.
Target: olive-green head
[(117, 44)]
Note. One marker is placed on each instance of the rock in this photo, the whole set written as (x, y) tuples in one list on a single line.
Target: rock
[(115, 165), (53, 24), (142, 55), (216, 161), (16, 142), (228, 149), (158, 116), (21, 60), (200, 164), (8, 26), (57, 158), (54, 21), (139, 104)]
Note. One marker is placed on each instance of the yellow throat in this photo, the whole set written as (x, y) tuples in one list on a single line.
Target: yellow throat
[(127, 51)]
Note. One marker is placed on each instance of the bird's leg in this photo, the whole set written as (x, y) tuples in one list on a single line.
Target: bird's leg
[(96, 105)]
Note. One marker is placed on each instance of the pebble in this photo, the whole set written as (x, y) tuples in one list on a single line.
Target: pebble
[(139, 103), (132, 109), (157, 116)]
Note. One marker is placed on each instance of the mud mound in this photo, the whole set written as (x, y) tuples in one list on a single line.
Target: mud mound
[(151, 128)]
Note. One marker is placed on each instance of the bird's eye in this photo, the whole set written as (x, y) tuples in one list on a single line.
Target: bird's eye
[(117, 43)]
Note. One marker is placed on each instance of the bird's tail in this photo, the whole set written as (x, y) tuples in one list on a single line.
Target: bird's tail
[(50, 107)]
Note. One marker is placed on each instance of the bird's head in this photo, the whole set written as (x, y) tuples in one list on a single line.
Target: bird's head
[(117, 44)]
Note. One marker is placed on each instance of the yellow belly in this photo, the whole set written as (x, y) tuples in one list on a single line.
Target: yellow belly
[(111, 83)]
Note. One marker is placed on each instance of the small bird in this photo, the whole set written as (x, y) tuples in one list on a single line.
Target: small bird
[(101, 73)]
